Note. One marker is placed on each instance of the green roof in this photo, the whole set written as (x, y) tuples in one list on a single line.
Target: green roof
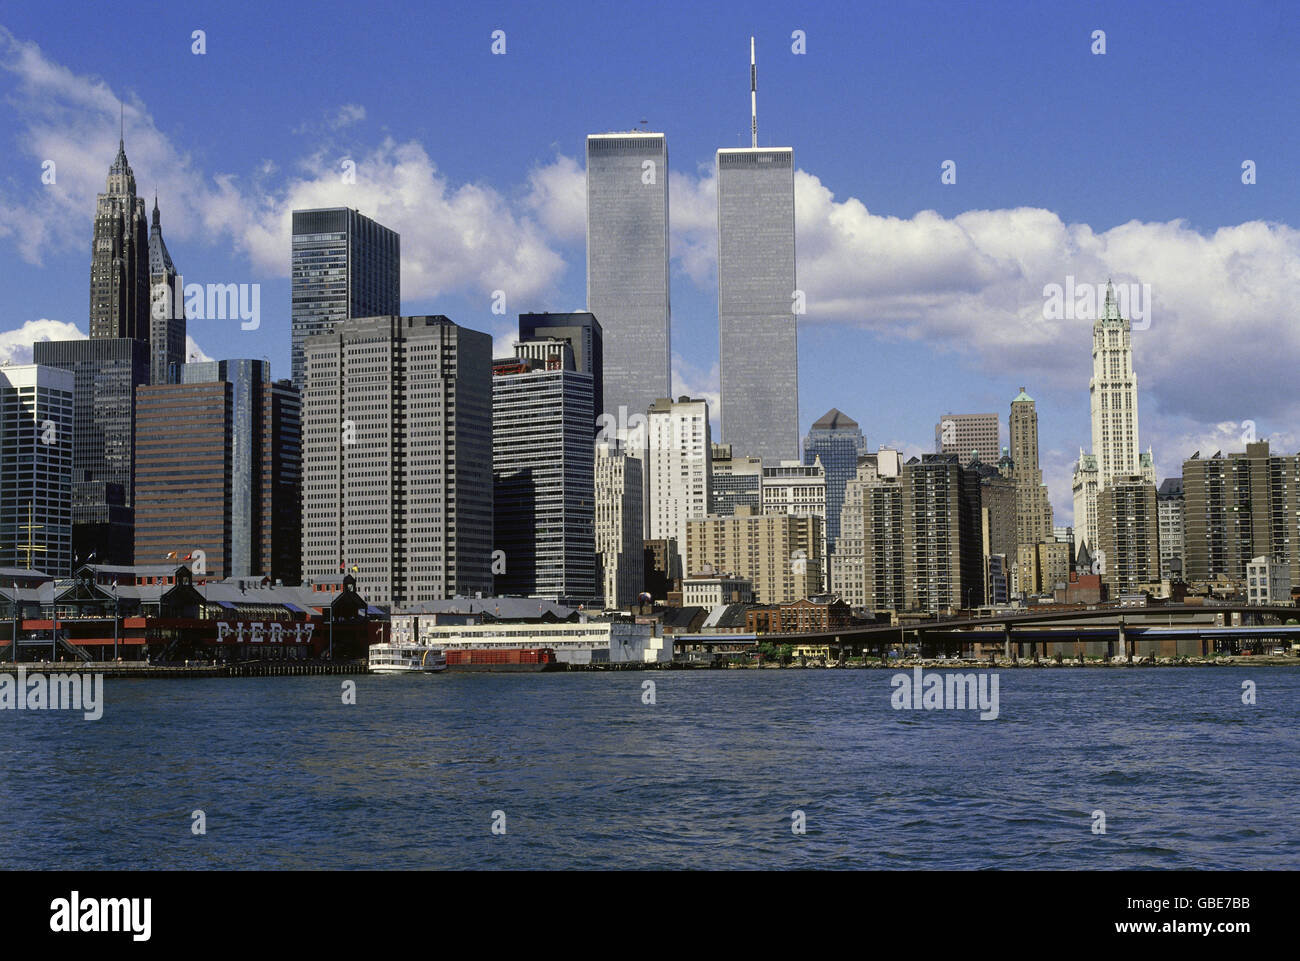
[(1022, 396)]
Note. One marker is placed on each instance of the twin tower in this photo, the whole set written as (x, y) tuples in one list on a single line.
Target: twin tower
[(758, 301)]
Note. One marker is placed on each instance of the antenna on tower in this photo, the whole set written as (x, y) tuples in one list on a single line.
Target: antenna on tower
[(753, 97), (121, 119)]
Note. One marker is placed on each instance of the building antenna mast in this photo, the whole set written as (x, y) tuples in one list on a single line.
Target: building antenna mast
[(753, 97)]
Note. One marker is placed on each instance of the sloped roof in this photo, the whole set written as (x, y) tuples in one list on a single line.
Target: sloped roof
[(835, 419)]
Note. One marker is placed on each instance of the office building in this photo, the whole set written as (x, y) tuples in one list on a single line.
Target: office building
[(757, 302), (791, 487), (627, 267), (868, 569), (735, 479), (343, 265), (620, 540), (36, 444), (543, 465), (968, 435), (835, 440), (678, 465), (397, 458), (119, 260), (586, 336), (1033, 506), (106, 372), (218, 462)]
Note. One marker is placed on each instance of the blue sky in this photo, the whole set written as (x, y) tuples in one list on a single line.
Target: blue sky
[(923, 297)]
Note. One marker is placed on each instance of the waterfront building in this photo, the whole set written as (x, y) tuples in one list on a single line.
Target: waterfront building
[(998, 522), (1238, 507), (968, 435), (343, 264), (835, 440), (397, 457), (779, 553), (106, 373), (867, 570), (942, 549), (218, 472), (543, 466), (1128, 552), (1170, 503), (620, 541), (1268, 581), (678, 466), (627, 267), (167, 311), (36, 444)]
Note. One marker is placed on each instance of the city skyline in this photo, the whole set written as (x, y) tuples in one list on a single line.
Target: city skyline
[(1086, 223)]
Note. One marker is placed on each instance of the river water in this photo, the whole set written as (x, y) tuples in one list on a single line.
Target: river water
[(578, 771)]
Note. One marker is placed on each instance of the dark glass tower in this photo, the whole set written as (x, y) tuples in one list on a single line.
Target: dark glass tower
[(344, 265), (838, 441)]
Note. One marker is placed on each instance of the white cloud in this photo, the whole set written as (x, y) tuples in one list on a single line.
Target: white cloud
[(557, 195), (195, 353), (16, 345), (349, 114), (691, 380)]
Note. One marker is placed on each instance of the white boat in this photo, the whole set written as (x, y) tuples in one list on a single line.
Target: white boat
[(406, 658)]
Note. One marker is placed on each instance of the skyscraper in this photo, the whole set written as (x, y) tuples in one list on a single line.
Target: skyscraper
[(868, 568), (758, 304), (344, 265), (967, 435), (836, 440), (943, 554), (1033, 506), (543, 464), (167, 313), (734, 480), (217, 471), (119, 261), (678, 458), (106, 372), (36, 405), (627, 266), (1128, 522), (1170, 504), (757, 325), (585, 334), (397, 458), (1113, 402)]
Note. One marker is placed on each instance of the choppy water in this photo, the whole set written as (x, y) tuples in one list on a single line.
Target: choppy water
[(708, 777)]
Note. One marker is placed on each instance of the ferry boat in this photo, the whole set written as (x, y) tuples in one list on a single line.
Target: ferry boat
[(396, 657)]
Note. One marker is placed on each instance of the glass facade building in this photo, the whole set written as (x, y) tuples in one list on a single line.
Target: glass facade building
[(627, 267), (344, 265), (757, 323), (837, 440)]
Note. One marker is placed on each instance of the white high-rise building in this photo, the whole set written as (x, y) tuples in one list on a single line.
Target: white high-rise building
[(397, 458), (620, 543), (36, 470), (678, 466), (1113, 399)]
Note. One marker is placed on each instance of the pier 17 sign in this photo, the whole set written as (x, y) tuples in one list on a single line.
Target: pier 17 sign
[(265, 632)]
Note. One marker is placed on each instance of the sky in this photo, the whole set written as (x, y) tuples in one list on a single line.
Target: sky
[(924, 297)]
